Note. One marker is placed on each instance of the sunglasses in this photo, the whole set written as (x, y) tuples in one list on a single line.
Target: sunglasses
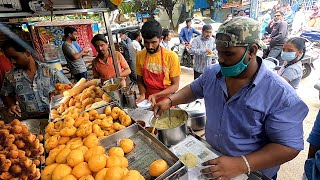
[(277, 15)]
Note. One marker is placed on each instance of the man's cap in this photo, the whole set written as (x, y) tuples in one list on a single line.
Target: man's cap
[(243, 31)]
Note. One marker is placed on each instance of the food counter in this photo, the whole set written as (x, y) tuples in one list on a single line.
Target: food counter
[(89, 136)]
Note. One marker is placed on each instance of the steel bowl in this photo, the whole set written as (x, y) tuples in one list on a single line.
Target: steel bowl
[(113, 88), (172, 136), (196, 113)]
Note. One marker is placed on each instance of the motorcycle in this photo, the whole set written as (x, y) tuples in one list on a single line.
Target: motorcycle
[(185, 58), (312, 35)]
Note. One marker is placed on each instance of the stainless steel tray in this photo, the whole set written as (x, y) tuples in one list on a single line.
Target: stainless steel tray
[(55, 101), (147, 150), (36, 126)]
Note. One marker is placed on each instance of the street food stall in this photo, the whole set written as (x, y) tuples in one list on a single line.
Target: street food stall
[(89, 135), (94, 131)]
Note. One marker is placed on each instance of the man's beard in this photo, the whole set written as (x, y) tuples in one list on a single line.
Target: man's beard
[(18, 66), (152, 51), (73, 39)]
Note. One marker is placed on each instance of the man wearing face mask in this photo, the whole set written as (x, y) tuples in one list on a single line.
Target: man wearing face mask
[(278, 36), (73, 55), (292, 53), (157, 68), (202, 48), (249, 109)]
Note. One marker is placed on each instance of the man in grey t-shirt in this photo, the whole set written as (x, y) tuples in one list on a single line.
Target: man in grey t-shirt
[(73, 56)]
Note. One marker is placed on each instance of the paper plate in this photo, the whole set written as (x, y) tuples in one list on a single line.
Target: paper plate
[(145, 104)]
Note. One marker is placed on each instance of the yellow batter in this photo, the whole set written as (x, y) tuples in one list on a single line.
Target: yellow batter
[(164, 123)]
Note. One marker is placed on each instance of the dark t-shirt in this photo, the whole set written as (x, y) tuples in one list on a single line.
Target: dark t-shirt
[(279, 34)]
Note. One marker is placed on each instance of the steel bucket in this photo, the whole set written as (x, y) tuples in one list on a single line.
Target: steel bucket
[(173, 136), (113, 87)]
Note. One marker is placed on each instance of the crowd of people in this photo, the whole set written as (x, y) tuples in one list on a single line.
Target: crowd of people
[(249, 109)]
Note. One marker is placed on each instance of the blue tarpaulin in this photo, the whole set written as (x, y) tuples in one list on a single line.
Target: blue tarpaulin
[(199, 4)]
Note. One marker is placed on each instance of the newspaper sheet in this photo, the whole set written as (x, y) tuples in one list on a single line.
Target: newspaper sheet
[(196, 147)]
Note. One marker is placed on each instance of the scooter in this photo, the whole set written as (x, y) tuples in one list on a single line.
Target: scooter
[(312, 35), (185, 58)]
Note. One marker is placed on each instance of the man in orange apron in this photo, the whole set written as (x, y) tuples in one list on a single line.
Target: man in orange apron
[(157, 68)]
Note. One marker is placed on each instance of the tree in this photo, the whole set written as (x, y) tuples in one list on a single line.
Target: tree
[(210, 2), (139, 6), (127, 7), (145, 7), (168, 6)]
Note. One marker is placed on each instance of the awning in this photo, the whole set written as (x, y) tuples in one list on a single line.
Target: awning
[(65, 22)]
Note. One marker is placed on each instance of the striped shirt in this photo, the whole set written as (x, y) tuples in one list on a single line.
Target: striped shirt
[(198, 49)]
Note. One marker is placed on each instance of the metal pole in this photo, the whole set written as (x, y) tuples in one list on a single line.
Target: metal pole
[(111, 44)]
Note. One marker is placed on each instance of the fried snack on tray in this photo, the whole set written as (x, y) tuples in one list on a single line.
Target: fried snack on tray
[(78, 99), (60, 88), (21, 152)]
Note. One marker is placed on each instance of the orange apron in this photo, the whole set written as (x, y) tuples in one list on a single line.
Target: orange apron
[(153, 81)]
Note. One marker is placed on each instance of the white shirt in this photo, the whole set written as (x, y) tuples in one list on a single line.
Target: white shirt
[(134, 47), (165, 45)]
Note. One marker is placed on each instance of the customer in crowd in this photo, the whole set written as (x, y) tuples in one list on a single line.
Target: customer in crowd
[(30, 81), (266, 18), (314, 19), (202, 48), (134, 47), (73, 56), (292, 53), (289, 14), (187, 32), (126, 41), (299, 21), (312, 164), (278, 36), (166, 37), (6, 66), (251, 111), (158, 69), (102, 65)]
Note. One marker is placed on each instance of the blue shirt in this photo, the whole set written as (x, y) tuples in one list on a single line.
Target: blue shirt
[(185, 35), (75, 43), (33, 96), (267, 110), (314, 137), (312, 165)]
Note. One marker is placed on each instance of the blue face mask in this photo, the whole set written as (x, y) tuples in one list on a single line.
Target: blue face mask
[(236, 69), (288, 56)]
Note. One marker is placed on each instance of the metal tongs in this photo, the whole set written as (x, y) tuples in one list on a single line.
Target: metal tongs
[(170, 123)]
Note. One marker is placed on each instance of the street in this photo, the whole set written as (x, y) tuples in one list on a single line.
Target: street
[(294, 169)]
